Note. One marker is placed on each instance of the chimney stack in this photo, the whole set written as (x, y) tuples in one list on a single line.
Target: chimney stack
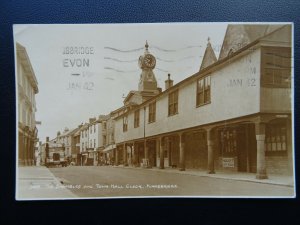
[(47, 139), (169, 82)]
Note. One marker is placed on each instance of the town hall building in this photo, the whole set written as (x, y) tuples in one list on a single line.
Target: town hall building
[(234, 114)]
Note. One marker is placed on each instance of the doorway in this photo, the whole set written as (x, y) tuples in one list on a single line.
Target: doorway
[(239, 143)]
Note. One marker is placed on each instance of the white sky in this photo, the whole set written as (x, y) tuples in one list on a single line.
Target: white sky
[(58, 107)]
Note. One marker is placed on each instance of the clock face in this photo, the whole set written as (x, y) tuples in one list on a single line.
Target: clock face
[(149, 60)]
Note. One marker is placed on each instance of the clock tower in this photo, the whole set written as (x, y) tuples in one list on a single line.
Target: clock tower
[(147, 63), (147, 84)]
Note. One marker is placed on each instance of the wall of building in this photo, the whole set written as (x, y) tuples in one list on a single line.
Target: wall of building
[(110, 123), (277, 165), (275, 100), (235, 92), (68, 144), (74, 148), (93, 135), (100, 134), (84, 138), (27, 88), (26, 103), (88, 136), (131, 133)]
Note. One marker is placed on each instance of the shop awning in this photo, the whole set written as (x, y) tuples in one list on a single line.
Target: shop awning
[(109, 148)]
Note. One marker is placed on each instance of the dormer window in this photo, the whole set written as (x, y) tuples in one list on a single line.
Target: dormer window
[(230, 51)]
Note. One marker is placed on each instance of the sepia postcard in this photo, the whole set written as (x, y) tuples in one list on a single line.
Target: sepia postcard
[(193, 110)]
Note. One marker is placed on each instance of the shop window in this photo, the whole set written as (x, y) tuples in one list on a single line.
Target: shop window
[(173, 103), (276, 140), (228, 142), (276, 66), (203, 91)]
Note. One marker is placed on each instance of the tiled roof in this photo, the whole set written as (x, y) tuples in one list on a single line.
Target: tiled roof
[(209, 56), (240, 35)]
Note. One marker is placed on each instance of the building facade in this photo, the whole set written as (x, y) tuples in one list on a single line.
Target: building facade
[(51, 148), (76, 158), (27, 87), (232, 115), (38, 153), (93, 138), (68, 140)]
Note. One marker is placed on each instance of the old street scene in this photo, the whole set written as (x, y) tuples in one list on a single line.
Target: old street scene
[(195, 118)]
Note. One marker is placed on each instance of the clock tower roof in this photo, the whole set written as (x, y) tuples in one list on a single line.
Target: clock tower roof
[(146, 47)]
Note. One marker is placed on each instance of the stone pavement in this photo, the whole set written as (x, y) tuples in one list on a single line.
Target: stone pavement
[(38, 183), (274, 179)]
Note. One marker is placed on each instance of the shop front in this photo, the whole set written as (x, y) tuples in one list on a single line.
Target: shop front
[(236, 148), (108, 153)]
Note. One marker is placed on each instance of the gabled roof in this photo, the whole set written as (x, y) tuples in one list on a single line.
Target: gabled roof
[(240, 35), (138, 97), (84, 126), (73, 131), (77, 132), (209, 56), (130, 94)]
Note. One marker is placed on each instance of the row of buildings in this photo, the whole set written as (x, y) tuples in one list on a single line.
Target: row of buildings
[(234, 114), (86, 144)]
